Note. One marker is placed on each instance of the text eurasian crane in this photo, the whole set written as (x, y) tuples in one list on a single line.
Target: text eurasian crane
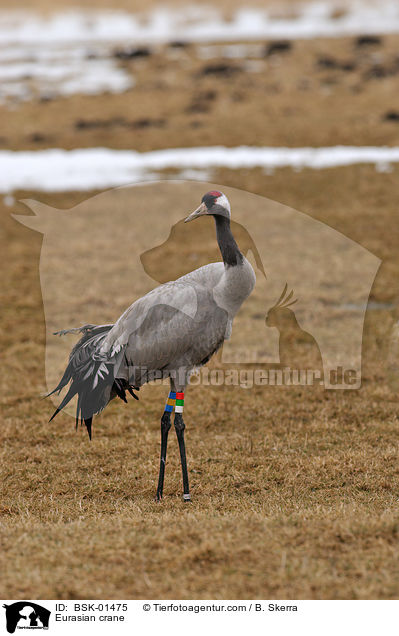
[(170, 331)]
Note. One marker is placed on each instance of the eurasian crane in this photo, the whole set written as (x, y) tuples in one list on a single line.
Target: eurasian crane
[(169, 332)]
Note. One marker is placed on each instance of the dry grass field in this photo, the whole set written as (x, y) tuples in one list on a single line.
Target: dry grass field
[(321, 92), (295, 490)]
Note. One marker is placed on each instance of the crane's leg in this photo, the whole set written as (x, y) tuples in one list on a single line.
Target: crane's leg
[(165, 426), (179, 428)]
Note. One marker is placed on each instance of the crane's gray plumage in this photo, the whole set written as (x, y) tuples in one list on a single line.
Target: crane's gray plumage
[(173, 329)]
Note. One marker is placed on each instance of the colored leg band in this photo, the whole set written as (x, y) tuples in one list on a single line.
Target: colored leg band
[(170, 402), (179, 402)]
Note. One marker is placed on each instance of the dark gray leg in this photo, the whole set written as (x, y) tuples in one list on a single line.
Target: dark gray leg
[(179, 428), (165, 426)]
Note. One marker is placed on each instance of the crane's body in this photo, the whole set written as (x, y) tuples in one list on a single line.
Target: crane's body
[(170, 331), (156, 334)]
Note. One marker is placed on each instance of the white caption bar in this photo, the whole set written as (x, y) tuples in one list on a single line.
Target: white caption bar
[(194, 617)]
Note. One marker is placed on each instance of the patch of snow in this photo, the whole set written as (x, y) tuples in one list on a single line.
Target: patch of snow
[(202, 23), (72, 51), (98, 168)]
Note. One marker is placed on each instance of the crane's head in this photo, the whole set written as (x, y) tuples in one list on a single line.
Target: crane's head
[(213, 203)]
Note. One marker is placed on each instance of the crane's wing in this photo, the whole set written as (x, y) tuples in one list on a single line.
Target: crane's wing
[(182, 295), (177, 324), (177, 296)]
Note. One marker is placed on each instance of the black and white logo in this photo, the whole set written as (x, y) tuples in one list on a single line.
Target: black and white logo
[(26, 615)]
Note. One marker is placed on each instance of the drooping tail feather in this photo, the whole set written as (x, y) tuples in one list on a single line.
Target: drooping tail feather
[(88, 332), (88, 422), (72, 391), (92, 378)]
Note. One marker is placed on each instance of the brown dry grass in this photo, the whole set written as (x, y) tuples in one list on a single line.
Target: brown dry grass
[(295, 492)]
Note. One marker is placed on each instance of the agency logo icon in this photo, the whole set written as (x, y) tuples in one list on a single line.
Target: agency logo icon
[(26, 615)]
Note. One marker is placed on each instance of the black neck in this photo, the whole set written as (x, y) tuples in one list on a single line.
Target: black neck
[(227, 245)]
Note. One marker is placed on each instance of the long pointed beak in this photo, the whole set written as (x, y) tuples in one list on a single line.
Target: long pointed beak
[(200, 211)]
